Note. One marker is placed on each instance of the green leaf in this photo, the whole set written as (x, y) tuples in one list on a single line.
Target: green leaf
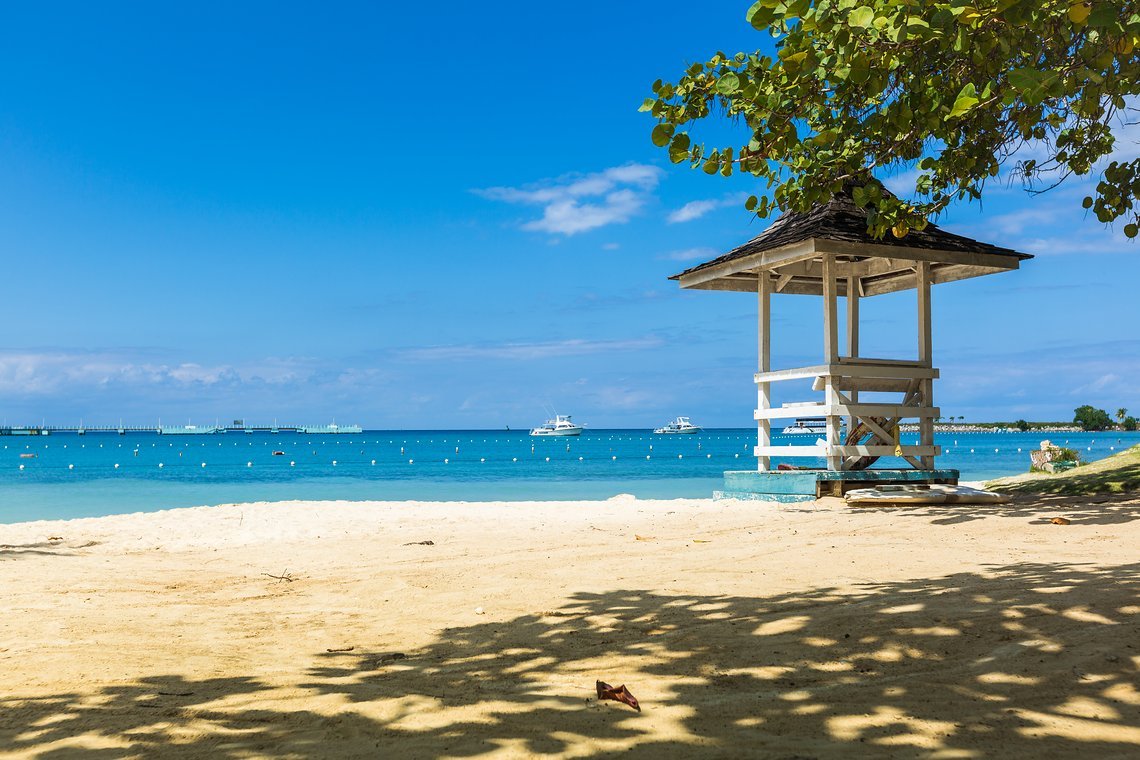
[(1130, 230), (967, 99), (1104, 15), (728, 84), (861, 17), (661, 135), (760, 16), (679, 148), (750, 204)]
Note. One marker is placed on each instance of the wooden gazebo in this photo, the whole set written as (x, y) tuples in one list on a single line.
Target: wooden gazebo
[(827, 252)]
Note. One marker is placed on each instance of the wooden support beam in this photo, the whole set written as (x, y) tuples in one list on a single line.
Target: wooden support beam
[(852, 301), (845, 410), (862, 368), (764, 355), (925, 357), (831, 356), (845, 451)]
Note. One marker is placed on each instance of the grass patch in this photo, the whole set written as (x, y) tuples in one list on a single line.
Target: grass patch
[(1119, 473)]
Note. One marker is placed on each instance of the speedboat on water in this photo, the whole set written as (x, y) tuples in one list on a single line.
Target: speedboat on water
[(807, 426), (560, 425), (679, 426)]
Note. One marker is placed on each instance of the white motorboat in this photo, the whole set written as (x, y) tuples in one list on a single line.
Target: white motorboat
[(560, 425), (679, 426), (807, 426)]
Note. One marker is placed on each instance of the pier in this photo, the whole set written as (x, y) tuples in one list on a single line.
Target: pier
[(39, 430)]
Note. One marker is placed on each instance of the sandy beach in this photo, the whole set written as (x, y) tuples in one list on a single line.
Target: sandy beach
[(341, 629)]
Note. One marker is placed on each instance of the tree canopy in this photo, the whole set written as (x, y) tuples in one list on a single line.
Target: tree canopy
[(952, 89), (1091, 418)]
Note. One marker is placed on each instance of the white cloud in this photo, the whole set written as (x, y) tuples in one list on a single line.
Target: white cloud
[(43, 373), (690, 254), (578, 203), (528, 351), (696, 209)]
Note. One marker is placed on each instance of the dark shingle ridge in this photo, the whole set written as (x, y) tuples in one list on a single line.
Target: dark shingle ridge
[(841, 219)]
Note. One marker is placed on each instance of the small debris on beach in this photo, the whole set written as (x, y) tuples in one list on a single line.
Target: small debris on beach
[(420, 543), (340, 649), (55, 538), (285, 576), (617, 694), (479, 611), (1060, 521), (644, 538)]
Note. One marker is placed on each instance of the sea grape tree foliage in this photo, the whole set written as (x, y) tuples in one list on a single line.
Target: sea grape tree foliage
[(953, 89)]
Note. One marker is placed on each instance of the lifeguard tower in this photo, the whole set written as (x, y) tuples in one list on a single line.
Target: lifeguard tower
[(827, 252)]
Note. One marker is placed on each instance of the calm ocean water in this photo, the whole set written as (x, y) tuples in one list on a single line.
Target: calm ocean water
[(99, 474)]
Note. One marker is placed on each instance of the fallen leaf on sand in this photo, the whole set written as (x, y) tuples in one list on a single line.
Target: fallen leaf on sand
[(1059, 521), (644, 538), (55, 538), (702, 541), (420, 543), (340, 649), (617, 694)]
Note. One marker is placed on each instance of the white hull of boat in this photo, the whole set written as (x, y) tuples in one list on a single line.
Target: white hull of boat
[(558, 432)]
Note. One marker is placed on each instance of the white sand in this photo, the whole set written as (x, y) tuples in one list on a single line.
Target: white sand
[(744, 628)]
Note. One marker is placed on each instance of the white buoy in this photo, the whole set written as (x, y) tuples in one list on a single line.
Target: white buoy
[(334, 463), (116, 465), (445, 461), (21, 467), (203, 464), (161, 465), (680, 456), (514, 459), (71, 467), (548, 459), (647, 456), (411, 461), (250, 464), (373, 461), (481, 459), (708, 456), (736, 456), (613, 459), (971, 451), (293, 464)]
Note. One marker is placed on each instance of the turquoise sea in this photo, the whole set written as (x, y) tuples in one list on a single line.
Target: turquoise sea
[(105, 473)]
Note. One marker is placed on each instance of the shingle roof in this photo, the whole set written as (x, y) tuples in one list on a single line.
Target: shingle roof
[(841, 219)]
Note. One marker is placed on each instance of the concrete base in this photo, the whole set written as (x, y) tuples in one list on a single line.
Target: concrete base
[(807, 485)]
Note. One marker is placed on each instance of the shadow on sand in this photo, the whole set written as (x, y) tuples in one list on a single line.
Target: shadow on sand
[(1037, 509), (1018, 661)]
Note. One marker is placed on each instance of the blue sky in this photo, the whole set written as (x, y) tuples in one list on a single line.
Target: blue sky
[(446, 215)]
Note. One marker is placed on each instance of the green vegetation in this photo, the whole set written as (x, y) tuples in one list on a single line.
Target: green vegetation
[(948, 87), (1129, 423), (1021, 425), (1119, 473), (1091, 418)]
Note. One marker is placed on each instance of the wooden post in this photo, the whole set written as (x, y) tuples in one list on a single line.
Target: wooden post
[(853, 337), (763, 390), (831, 356), (925, 355)]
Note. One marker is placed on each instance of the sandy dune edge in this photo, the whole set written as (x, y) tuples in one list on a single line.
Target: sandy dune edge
[(743, 628)]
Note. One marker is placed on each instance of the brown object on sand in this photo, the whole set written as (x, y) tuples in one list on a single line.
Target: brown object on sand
[(617, 694), (1059, 521)]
